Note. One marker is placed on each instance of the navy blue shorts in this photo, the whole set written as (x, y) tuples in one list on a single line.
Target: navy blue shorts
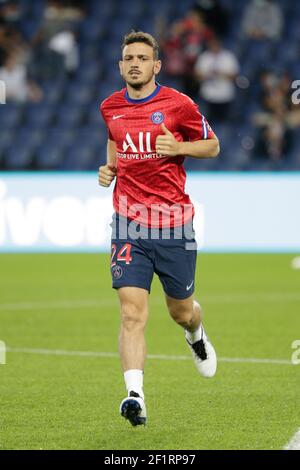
[(138, 253)]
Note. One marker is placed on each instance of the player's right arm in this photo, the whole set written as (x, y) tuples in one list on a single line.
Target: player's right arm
[(108, 172)]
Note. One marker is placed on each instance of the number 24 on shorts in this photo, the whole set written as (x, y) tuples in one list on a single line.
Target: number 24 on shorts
[(123, 254)]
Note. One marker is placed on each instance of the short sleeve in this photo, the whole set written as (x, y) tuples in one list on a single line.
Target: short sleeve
[(102, 111), (193, 125)]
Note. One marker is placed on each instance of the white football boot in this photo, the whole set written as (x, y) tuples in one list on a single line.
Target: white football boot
[(204, 355), (133, 408)]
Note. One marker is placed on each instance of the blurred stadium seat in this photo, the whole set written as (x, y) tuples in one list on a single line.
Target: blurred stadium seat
[(19, 156), (69, 115), (49, 157), (80, 157), (39, 115), (10, 116)]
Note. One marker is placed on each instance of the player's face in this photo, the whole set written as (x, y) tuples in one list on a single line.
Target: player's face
[(138, 66)]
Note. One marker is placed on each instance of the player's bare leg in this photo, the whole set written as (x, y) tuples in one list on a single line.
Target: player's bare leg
[(134, 315), (132, 347), (187, 313)]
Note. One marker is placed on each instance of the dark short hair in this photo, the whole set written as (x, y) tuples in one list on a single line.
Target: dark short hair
[(140, 36)]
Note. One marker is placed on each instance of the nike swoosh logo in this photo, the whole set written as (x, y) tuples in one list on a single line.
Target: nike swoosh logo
[(190, 286), (117, 117)]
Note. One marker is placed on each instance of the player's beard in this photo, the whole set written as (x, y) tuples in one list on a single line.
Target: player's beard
[(140, 84)]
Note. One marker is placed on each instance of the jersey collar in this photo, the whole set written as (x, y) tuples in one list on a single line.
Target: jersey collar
[(143, 100)]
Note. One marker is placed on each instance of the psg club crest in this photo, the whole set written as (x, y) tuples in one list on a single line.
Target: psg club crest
[(117, 272), (157, 117)]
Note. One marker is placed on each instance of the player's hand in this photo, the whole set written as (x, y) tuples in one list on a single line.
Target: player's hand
[(166, 144), (106, 175)]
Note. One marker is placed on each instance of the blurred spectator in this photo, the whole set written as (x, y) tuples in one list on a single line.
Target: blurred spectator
[(273, 141), (263, 19), (186, 39), (58, 16), (4, 41), (64, 43), (19, 88), (11, 12), (277, 118), (275, 99), (214, 15), (217, 69), (55, 42), (10, 40)]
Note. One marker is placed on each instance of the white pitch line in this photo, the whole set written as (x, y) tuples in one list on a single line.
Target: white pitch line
[(58, 305), (61, 352), (113, 302), (294, 443)]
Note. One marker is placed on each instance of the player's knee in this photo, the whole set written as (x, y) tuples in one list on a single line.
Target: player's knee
[(182, 316), (185, 320), (132, 317), (197, 307)]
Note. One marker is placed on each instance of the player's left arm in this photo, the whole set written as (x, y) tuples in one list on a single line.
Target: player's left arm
[(167, 144)]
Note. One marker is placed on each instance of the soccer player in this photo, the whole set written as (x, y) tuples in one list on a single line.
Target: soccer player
[(151, 128)]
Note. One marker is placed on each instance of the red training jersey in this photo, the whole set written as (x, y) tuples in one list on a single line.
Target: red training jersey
[(150, 188)]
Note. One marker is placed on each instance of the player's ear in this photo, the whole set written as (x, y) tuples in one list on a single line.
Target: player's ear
[(121, 67), (157, 66)]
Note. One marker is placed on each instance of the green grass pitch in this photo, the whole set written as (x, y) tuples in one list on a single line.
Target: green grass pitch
[(64, 302)]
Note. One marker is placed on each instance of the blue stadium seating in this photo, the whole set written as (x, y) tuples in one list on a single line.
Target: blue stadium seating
[(131, 9), (49, 156), (66, 130), (79, 95), (89, 73), (69, 115), (53, 91), (101, 9), (19, 156), (90, 135), (203, 164), (6, 138), (93, 29), (6, 141), (11, 116), (58, 136), (39, 115), (80, 157), (29, 136)]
